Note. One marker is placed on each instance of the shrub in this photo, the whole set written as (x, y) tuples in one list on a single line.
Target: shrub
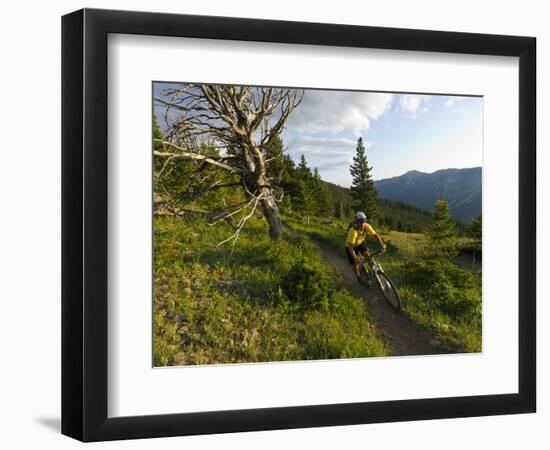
[(307, 285), (446, 287)]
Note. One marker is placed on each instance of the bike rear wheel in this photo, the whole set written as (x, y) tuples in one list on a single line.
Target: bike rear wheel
[(388, 290)]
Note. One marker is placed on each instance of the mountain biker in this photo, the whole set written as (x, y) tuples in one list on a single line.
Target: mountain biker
[(358, 232)]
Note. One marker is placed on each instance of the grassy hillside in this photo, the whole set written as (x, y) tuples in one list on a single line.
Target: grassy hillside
[(440, 296), (211, 306), (279, 301)]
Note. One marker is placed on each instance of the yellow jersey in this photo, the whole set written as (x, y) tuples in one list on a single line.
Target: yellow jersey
[(356, 237)]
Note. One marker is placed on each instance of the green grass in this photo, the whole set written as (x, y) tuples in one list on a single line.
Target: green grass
[(409, 245), (331, 232), (428, 297), (214, 306)]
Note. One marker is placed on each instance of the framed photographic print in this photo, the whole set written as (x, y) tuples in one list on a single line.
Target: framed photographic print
[(274, 225)]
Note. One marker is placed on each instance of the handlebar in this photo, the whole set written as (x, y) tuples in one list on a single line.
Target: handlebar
[(373, 254)]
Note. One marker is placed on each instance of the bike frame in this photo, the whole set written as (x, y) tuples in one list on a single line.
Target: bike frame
[(376, 266)]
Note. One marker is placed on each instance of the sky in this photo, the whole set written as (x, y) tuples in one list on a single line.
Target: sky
[(402, 132)]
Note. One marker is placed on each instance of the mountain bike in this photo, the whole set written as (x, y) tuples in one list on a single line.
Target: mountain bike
[(384, 282)]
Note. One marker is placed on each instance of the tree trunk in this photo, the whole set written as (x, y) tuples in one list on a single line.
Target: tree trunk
[(272, 215)]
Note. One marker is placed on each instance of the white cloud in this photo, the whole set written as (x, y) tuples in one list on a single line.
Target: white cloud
[(323, 152), (338, 111), (411, 103), (321, 145)]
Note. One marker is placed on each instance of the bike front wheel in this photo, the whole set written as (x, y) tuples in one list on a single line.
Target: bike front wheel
[(388, 290)]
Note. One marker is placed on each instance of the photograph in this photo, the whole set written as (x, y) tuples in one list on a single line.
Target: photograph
[(294, 224)]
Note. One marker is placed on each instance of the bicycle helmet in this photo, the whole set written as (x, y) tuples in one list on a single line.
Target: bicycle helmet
[(360, 217)]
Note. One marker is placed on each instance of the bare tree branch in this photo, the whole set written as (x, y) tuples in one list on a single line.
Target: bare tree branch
[(242, 122), (198, 157), (240, 226)]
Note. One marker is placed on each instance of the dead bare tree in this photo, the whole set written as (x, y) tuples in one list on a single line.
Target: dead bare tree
[(241, 122)]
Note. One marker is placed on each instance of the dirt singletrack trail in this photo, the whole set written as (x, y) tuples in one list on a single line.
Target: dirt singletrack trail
[(402, 336)]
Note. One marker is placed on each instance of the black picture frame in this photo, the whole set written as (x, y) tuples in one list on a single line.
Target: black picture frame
[(84, 224)]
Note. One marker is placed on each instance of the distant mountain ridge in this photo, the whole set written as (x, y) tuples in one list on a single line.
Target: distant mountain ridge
[(394, 214), (460, 187)]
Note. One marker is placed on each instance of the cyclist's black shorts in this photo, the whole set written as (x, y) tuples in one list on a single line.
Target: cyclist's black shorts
[(361, 248)]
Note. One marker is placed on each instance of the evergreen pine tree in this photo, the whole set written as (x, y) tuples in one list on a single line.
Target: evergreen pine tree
[(276, 166), (290, 185), (339, 212), (474, 231), (322, 195), (443, 232), (362, 188), (304, 172), (304, 200)]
